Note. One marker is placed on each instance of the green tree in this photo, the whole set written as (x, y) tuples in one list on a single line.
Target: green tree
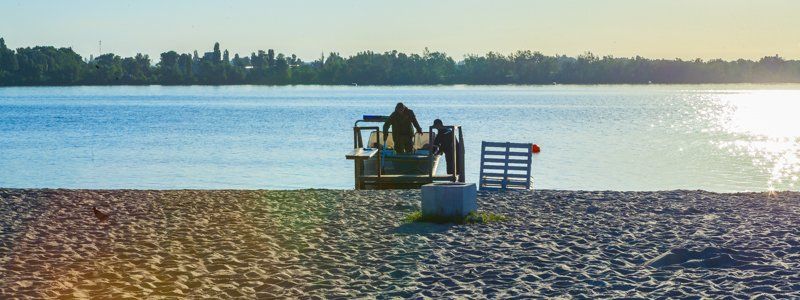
[(8, 64), (107, 69), (168, 70), (217, 55), (136, 70), (186, 68), (271, 58)]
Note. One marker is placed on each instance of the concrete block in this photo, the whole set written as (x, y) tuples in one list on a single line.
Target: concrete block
[(449, 199)]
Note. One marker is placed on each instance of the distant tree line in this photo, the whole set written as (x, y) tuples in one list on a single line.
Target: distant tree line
[(45, 65)]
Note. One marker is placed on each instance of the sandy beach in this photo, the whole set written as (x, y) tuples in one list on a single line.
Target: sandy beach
[(354, 244)]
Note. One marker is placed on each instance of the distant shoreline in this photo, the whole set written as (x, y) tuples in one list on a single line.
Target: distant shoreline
[(47, 65)]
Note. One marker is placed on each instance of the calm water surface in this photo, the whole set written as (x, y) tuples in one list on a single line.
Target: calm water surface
[(712, 137)]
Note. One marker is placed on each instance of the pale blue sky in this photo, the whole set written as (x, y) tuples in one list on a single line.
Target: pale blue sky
[(658, 29)]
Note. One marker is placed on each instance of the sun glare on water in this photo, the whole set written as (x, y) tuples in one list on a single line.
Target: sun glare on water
[(766, 127), (774, 114)]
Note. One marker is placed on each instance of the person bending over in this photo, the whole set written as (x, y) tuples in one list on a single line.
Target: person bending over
[(443, 143), (403, 122)]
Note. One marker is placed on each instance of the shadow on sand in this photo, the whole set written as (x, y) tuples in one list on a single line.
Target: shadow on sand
[(414, 228)]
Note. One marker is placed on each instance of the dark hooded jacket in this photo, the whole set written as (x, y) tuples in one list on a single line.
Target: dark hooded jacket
[(403, 124)]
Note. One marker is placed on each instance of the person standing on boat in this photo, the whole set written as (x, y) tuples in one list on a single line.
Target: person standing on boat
[(403, 122)]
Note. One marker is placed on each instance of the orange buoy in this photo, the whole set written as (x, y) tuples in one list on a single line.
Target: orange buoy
[(535, 148)]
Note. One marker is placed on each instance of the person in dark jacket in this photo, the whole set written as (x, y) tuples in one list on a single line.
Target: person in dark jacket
[(443, 143), (403, 122)]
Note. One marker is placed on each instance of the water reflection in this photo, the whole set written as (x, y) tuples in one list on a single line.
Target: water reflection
[(764, 126)]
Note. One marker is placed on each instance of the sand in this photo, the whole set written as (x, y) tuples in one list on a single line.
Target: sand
[(353, 244)]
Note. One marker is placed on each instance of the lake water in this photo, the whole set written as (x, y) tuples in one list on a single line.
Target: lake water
[(712, 137)]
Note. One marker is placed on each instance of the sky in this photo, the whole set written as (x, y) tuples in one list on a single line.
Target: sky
[(706, 29)]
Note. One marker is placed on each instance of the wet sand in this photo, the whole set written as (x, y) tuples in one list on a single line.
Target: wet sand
[(332, 243)]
